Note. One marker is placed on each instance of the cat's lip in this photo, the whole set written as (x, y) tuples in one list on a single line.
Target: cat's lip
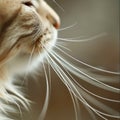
[(46, 40), (47, 35)]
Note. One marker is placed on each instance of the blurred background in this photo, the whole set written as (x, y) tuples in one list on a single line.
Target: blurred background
[(92, 17)]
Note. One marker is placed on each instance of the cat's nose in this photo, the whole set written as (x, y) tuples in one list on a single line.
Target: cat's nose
[(52, 16), (54, 19)]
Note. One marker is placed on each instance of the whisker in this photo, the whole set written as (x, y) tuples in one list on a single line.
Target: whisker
[(38, 33), (49, 75), (67, 85), (95, 110), (46, 102), (83, 88), (83, 39), (90, 66), (75, 102), (63, 47), (76, 105), (58, 5), (65, 28), (73, 89), (80, 73), (74, 98), (111, 100)]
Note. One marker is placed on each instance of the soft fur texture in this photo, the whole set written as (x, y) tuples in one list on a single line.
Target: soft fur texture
[(26, 26), (28, 32)]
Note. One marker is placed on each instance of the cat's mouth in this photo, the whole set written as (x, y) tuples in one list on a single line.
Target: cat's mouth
[(46, 41)]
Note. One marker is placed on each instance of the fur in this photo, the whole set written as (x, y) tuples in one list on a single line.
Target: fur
[(28, 32), (26, 26)]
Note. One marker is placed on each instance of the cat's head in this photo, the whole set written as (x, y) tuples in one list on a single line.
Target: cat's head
[(27, 27)]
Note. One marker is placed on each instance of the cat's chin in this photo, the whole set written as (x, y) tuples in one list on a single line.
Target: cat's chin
[(27, 62)]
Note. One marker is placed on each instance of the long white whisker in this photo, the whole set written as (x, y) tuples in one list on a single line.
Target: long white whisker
[(58, 5), (90, 66), (103, 98), (46, 102), (63, 47), (80, 86), (96, 111), (49, 75), (83, 89), (76, 105), (83, 39), (73, 88), (65, 28), (107, 99), (75, 102), (72, 38), (80, 73), (67, 85)]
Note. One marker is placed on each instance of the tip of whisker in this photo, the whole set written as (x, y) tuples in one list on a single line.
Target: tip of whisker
[(59, 5)]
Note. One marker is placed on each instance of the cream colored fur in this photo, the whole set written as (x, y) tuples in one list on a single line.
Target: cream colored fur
[(28, 32), (26, 26)]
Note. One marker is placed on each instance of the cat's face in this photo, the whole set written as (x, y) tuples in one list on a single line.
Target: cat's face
[(26, 27)]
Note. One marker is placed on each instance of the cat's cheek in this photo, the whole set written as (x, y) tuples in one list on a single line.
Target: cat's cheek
[(39, 58), (52, 41), (28, 62)]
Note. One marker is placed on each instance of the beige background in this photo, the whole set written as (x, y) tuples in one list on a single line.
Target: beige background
[(92, 17)]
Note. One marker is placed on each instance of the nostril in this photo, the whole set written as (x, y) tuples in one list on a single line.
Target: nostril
[(56, 25)]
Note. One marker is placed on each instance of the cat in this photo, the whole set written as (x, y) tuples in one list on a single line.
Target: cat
[(28, 34), (26, 29)]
